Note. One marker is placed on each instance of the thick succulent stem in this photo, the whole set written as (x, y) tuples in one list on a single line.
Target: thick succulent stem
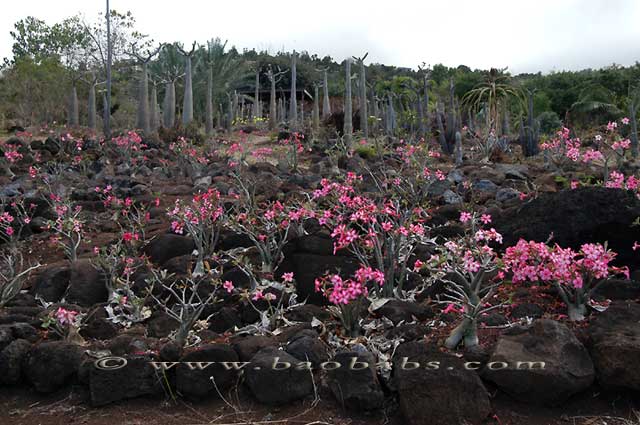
[(326, 105), (208, 123), (187, 107), (92, 105), (293, 105), (364, 124), (348, 106), (154, 109), (634, 129), (143, 121), (169, 110)]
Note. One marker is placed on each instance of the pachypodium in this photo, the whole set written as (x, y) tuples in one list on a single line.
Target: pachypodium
[(202, 219), (382, 232), (186, 298), (118, 267), (575, 274), (131, 216), (468, 266), (63, 322), (15, 215), (13, 274), (268, 226), (68, 227), (348, 295)]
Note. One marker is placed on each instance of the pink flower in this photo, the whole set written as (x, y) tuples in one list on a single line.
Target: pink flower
[(65, 316), (635, 246), (575, 184), (228, 285), (625, 121), (258, 295), (485, 218), (287, 277), (465, 216), (417, 265)]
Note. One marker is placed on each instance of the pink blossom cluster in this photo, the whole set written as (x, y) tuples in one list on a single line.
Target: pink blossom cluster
[(343, 291), (65, 317), (617, 181), (537, 261), (205, 209)]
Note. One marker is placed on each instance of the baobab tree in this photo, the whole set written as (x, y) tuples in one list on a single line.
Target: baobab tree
[(187, 107), (169, 69), (274, 78), (348, 106), (326, 105), (293, 103), (143, 118), (364, 125)]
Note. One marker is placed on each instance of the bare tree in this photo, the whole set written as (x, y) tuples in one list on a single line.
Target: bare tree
[(187, 107), (143, 117), (364, 124), (274, 78), (348, 106), (293, 104)]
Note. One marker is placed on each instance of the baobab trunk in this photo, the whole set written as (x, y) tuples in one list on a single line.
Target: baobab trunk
[(348, 106), (634, 129), (169, 112), (326, 105), (364, 124), (143, 102), (92, 105), (105, 107), (316, 110), (293, 106), (273, 112), (256, 100), (187, 107), (74, 114), (154, 110), (208, 122)]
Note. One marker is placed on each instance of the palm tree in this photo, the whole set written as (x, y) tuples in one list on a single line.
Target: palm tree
[(496, 92)]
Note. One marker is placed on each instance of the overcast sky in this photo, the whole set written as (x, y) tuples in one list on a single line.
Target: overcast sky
[(526, 36)]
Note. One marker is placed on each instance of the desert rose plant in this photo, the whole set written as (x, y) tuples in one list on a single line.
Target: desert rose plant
[(381, 232), (348, 295), (202, 219), (467, 265), (575, 274)]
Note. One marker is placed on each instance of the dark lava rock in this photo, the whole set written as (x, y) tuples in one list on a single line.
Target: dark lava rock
[(192, 381), (450, 394), (614, 344), (168, 246), (136, 379), (50, 365), (86, 284), (272, 382), (589, 214), (11, 359), (567, 369), (52, 282), (355, 384)]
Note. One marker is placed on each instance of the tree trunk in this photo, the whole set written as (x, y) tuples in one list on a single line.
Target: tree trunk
[(74, 114), (105, 108), (92, 105), (256, 100), (154, 110), (208, 122), (326, 105), (364, 118), (634, 129), (273, 112), (143, 121), (316, 110), (293, 114), (187, 107), (169, 112), (107, 98), (348, 106)]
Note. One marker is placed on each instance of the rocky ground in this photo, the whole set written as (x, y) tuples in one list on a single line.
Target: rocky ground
[(592, 374)]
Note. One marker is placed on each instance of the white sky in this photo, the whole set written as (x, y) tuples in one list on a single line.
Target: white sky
[(525, 35)]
